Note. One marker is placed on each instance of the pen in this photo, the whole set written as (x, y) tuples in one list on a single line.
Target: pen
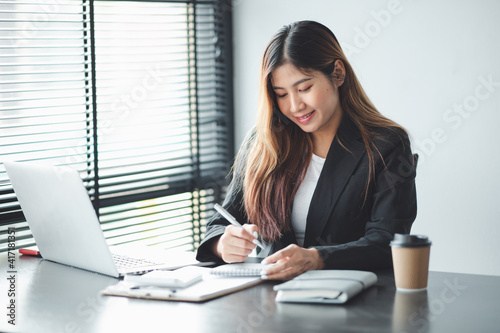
[(233, 221), (173, 291), (30, 252), (152, 291)]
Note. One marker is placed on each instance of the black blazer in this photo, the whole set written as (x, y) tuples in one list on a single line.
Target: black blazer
[(349, 230)]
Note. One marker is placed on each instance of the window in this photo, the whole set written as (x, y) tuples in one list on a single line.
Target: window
[(135, 95)]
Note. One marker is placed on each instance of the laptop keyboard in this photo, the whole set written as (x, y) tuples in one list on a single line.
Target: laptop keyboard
[(124, 262)]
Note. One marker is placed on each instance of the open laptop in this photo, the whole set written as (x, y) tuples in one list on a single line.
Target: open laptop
[(65, 226)]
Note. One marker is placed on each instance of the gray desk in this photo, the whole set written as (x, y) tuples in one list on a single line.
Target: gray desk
[(55, 298)]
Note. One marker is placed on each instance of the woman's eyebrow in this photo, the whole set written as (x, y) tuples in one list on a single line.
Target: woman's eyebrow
[(296, 83)]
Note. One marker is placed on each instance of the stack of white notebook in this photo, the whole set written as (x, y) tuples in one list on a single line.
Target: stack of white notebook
[(325, 286)]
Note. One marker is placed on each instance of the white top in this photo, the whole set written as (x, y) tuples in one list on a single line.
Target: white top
[(303, 198)]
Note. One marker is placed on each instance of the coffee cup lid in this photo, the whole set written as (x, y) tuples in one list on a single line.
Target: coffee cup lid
[(403, 240)]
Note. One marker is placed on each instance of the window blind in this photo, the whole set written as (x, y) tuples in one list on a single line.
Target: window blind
[(136, 96), (44, 91)]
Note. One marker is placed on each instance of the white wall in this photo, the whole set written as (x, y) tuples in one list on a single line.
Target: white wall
[(432, 66)]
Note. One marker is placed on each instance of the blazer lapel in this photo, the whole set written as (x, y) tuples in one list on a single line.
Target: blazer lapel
[(339, 165)]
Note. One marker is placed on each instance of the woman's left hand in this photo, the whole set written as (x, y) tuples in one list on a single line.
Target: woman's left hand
[(292, 261)]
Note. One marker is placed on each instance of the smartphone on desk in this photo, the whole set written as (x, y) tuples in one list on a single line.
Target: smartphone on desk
[(179, 278)]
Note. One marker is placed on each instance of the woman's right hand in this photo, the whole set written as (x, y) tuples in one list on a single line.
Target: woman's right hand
[(236, 243)]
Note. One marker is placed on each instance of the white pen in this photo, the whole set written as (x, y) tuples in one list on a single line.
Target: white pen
[(233, 221)]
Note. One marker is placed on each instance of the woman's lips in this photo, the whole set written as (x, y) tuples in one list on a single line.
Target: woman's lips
[(306, 118)]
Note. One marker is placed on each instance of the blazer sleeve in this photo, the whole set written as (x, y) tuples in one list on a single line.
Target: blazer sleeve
[(233, 203), (392, 209)]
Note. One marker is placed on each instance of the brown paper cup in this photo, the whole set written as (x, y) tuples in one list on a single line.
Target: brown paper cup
[(411, 262)]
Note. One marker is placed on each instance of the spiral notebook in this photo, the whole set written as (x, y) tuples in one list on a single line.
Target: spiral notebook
[(239, 269)]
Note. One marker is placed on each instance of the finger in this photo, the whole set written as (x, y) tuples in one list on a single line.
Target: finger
[(230, 253), (233, 248), (233, 258), (283, 270), (252, 230), (286, 274), (273, 258), (240, 232), (279, 266), (236, 245), (283, 253)]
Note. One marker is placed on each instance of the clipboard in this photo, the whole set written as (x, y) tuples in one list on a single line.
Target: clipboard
[(211, 286)]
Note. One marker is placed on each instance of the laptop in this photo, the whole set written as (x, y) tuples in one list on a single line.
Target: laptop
[(65, 226)]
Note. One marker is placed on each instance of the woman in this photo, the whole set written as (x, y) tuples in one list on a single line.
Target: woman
[(324, 178)]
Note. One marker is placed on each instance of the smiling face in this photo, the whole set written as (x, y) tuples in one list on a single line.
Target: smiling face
[(310, 100)]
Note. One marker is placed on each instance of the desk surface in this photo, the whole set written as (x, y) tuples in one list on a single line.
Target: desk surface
[(55, 298)]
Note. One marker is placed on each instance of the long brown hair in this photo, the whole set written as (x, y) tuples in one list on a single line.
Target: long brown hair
[(279, 152)]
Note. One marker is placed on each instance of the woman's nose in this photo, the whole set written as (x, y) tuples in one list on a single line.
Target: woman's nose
[(296, 103)]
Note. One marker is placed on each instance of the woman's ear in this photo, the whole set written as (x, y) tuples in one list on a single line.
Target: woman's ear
[(338, 73)]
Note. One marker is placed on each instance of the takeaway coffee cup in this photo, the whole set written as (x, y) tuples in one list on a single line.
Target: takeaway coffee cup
[(410, 256)]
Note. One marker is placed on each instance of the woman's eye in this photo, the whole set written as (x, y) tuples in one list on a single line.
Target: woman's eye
[(281, 96), (305, 89)]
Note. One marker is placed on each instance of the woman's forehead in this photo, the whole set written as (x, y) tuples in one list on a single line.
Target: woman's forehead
[(288, 74)]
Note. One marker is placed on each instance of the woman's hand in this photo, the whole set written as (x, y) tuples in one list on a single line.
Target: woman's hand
[(236, 243), (292, 261)]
